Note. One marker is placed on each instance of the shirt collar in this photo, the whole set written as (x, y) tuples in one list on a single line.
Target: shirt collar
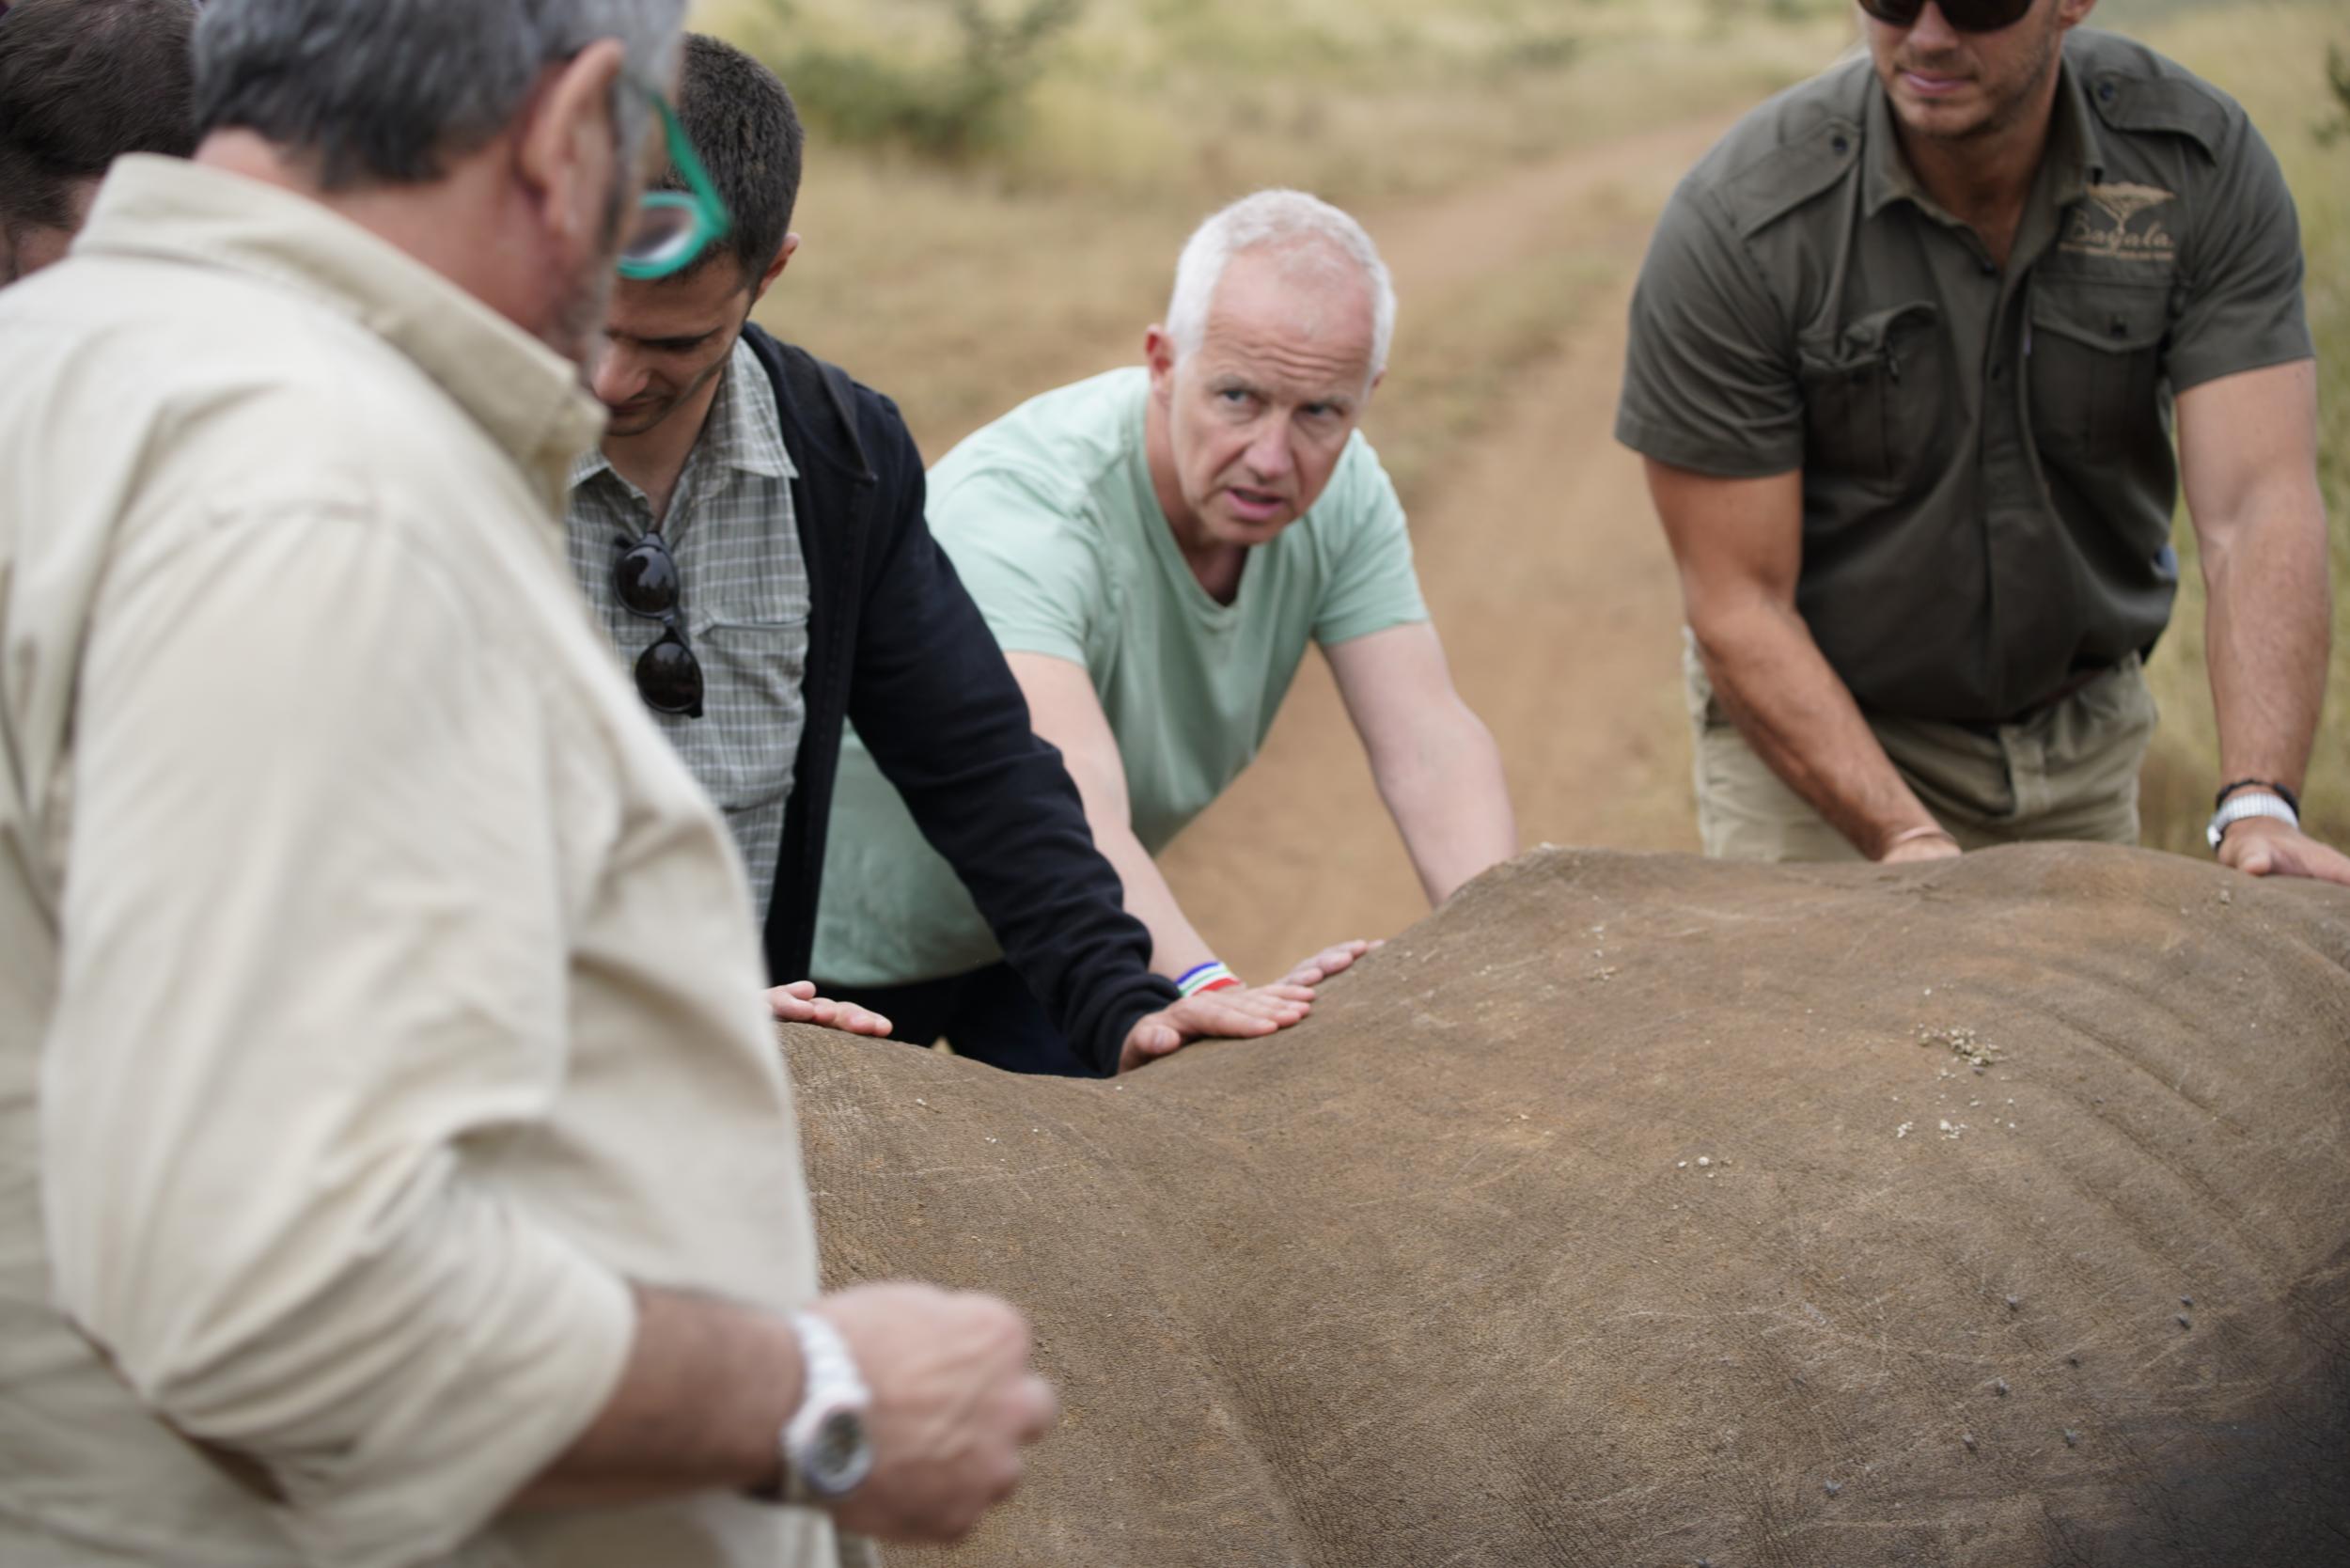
[(526, 397), (2075, 158), (745, 430)]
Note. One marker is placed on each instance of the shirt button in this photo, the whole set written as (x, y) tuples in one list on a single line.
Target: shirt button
[(1998, 372), (1842, 144)]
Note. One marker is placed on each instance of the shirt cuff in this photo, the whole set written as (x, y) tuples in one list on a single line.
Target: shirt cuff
[(2190, 368), (1672, 443), (1052, 645), (1155, 995), (1358, 627), (507, 1401)]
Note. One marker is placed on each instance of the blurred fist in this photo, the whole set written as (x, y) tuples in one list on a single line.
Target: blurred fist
[(954, 1402)]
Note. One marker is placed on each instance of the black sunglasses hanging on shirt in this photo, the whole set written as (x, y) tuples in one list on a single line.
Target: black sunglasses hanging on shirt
[(1966, 16), (645, 580)]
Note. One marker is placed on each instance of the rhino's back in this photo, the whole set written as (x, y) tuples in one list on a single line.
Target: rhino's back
[(1619, 1215)]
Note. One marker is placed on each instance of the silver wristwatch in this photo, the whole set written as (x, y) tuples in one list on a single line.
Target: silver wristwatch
[(2252, 803), (827, 1451)]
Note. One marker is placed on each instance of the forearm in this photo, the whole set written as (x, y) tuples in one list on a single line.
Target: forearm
[(1791, 706), (1068, 715), (2268, 634), (706, 1392), (1175, 946), (1450, 801)]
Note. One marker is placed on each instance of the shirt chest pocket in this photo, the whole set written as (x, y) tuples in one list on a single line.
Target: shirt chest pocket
[(751, 604), (1874, 395), (2095, 356), (747, 743), (766, 656)]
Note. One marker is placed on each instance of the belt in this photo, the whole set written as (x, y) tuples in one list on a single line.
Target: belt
[(2076, 684)]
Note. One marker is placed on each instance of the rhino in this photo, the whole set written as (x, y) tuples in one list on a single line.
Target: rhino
[(1643, 1210)]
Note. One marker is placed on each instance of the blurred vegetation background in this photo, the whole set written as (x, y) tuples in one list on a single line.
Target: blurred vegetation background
[(997, 190)]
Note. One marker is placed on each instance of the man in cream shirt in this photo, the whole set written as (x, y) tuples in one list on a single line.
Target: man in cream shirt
[(396, 1166)]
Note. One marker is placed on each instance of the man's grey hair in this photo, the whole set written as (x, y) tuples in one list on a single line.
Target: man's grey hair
[(1276, 220), (385, 91)]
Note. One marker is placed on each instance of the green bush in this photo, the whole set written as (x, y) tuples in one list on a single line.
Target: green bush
[(948, 107), (2338, 78)]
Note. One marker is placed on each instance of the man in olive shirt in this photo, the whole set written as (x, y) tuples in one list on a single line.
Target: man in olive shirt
[(1905, 356)]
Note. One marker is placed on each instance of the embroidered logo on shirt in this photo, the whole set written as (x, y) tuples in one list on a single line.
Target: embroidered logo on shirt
[(2107, 225)]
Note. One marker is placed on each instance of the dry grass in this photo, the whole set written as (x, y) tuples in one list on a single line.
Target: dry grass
[(960, 289)]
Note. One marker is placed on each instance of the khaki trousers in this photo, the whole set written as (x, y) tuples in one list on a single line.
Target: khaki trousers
[(2068, 772)]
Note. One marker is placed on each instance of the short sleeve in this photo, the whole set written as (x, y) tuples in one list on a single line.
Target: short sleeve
[(1710, 381), (1029, 558), (1373, 585), (2242, 270)]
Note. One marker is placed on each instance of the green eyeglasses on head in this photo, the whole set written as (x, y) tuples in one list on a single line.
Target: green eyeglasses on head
[(674, 227)]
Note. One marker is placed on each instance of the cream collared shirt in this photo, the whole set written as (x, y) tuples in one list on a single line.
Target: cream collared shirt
[(378, 993)]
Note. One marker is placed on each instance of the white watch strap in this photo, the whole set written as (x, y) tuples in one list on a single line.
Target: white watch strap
[(2252, 803), (829, 1382), (830, 1370)]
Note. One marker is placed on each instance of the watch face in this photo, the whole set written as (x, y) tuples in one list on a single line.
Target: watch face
[(840, 1455)]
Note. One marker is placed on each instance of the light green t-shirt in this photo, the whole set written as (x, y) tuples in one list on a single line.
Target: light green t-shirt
[(1049, 516)]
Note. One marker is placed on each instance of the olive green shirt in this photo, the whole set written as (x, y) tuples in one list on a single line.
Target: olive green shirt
[(1988, 473)]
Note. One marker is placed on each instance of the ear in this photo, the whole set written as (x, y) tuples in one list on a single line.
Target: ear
[(1158, 353), (566, 155), (2072, 13), (775, 269)]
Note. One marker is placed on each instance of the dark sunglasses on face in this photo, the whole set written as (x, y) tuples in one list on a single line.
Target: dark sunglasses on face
[(1966, 16), (645, 580)]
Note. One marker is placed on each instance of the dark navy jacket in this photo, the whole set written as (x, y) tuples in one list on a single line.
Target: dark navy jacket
[(896, 645)]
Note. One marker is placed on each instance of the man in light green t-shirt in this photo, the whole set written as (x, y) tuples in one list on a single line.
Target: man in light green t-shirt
[(1154, 548)]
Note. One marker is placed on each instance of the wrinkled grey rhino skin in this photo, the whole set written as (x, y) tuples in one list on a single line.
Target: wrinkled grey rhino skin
[(1618, 1215)]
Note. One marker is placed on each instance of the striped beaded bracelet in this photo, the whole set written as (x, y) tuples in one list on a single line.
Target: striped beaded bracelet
[(1211, 976)]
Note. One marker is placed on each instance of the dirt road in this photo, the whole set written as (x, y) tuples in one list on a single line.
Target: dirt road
[(1543, 566)]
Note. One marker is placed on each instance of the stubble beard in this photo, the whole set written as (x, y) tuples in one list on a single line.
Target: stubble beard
[(2012, 103), (579, 316), (585, 300)]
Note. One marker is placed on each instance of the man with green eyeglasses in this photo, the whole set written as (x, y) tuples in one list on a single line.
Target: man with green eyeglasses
[(397, 1166), (751, 534), (1921, 357)]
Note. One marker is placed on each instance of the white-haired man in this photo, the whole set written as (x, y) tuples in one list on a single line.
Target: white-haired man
[(1153, 549)]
